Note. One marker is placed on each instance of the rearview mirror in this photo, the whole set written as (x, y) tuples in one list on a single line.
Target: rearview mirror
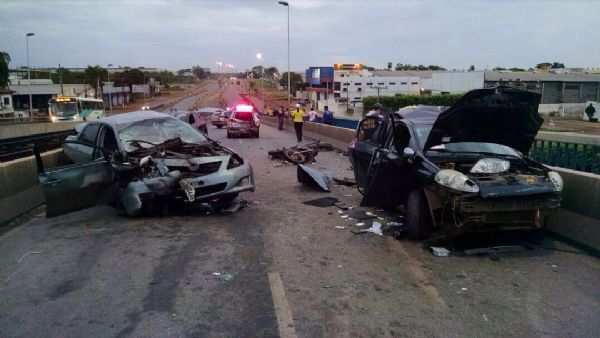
[(408, 153)]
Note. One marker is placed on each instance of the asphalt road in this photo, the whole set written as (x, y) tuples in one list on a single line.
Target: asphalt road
[(277, 267)]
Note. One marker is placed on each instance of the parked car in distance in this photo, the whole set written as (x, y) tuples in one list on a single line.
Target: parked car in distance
[(464, 168), (145, 161), (192, 118), (243, 120), (221, 120)]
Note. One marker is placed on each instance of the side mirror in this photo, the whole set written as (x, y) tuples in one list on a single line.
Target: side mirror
[(408, 153)]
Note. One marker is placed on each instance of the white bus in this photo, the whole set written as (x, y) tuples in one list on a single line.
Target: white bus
[(67, 108)]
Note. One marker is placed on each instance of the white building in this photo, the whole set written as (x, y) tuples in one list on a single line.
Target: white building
[(6, 104)]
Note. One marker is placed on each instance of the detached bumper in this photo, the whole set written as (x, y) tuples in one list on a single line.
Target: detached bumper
[(505, 213)]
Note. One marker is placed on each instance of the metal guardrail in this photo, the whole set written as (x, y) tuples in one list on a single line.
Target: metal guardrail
[(576, 156)]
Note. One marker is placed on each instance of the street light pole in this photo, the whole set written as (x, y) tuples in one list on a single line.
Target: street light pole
[(29, 76), (262, 96), (110, 91), (286, 4)]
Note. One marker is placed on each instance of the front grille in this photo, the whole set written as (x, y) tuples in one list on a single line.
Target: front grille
[(210, 189), (200, 169)]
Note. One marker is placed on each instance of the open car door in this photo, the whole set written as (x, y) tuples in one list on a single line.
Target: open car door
[(370, 136), (75, 186), (387, 176)]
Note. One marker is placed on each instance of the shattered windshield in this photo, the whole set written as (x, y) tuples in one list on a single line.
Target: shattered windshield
[(156, 131)]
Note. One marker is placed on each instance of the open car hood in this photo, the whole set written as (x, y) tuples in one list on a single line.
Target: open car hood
[(501, 115)]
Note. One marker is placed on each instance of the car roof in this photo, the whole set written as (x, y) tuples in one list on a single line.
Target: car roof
[(420, 114), (115, 120)]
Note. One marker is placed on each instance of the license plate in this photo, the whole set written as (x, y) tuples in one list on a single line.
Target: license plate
[(189, 190)]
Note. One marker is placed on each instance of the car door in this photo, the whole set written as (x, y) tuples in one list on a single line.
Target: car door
[(83, 151), (389, 174), (369, 135)]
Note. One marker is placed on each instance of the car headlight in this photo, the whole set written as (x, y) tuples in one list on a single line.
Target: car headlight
[(455, 180), (490, 166), (556, 180)]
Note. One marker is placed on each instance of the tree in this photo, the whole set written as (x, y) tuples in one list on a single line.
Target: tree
[(94, 77), (295, 81), (389, 66), (516, 69), (472, 68), (497, 69), (369, 68), (556, 65), (128, 77), (257, 72), (271, 72), (199, 72), (543, 66), (4, 61)]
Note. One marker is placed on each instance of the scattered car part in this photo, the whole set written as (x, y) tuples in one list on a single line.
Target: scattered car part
[(312, 177), (322, 202)]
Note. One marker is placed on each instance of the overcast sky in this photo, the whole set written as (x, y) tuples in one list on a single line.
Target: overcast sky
[(176, 34)]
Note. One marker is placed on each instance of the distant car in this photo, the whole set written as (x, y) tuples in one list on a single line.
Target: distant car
[(145, 161), (221, 120), (243, 121), (145, 107), (208, 113), (193, 118), (459, 169)]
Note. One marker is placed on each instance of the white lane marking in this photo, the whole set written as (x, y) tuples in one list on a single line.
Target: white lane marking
[(282, 310)]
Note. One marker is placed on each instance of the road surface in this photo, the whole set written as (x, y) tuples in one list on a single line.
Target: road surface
[(277, 268)]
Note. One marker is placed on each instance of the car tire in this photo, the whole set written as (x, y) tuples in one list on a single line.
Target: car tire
[(228, 134), (219, 127), (257, 134), (418, 218)]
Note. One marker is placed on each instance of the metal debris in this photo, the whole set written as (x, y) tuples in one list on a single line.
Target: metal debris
[(438, 251)]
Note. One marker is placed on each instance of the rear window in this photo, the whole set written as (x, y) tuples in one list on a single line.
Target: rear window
[(244, 116), (226, 113)]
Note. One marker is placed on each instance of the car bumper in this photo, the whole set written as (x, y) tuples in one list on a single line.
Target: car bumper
[(483, 214), (206, 188), (242, 130)]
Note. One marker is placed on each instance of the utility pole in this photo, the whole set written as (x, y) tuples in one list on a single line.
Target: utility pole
[(29, 77), (111, 87), (378, 89), (62, 92)]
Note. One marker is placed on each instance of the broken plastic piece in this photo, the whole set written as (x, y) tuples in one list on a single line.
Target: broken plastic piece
[(309, 176), (439, 251)]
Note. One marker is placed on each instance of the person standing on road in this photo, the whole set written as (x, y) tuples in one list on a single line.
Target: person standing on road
[(312, 115), (327, 116), (280, 115), (298, 118)]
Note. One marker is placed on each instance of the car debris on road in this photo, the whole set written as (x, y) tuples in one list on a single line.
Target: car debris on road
[(312, 177)]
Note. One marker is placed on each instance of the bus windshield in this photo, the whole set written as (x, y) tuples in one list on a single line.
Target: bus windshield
[(63, 108)]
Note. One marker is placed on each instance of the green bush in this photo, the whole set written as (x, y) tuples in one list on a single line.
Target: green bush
[(400, 100)]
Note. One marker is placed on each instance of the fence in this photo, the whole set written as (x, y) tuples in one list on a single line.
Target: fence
[(576, 156)]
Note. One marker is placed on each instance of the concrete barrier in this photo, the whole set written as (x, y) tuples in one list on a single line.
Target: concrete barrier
[(337, 136), (21, 191), (28, 129), (578, 219)]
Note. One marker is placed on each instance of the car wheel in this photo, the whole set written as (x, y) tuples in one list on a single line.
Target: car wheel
[(228, 134), (219, 127), (418, 218), (257, 134)]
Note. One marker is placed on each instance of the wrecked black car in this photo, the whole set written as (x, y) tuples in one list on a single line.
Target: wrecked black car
[(463, 168), (142, 160)]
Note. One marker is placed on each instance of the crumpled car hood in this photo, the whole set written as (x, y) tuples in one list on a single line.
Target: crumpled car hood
[(499, 115)]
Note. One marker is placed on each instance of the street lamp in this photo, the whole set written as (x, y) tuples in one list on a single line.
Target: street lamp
[(110, 91), (29, 76), (259, 57), (286, 4)]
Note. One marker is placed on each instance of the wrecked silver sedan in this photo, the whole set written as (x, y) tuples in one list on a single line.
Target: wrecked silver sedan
[(143, 161)]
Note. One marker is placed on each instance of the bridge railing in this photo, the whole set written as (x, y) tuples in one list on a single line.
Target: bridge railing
[(568, 150)]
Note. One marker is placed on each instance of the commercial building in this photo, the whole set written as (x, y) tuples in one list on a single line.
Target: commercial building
[(565, 94), (345, 85)]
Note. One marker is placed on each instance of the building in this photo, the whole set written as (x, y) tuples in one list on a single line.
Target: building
[(351, 83), (565, 94), (6, 104)]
